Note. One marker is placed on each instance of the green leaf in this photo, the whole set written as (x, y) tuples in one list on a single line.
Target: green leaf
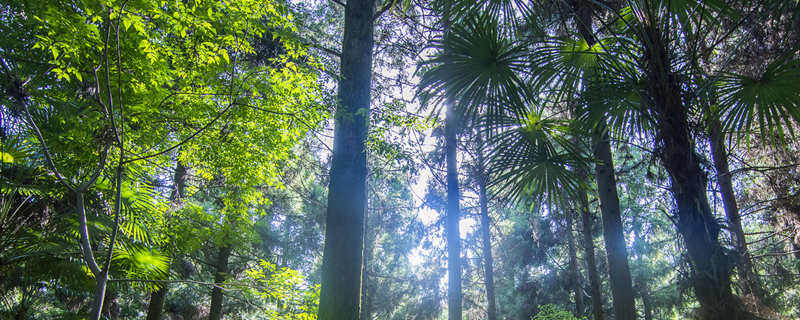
[(6, 157)]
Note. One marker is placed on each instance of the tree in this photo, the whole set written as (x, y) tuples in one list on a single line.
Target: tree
[(347, 193), (469, 80)]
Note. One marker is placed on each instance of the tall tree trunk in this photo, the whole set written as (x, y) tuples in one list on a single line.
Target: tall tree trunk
[(156, 305), (648, 308), (796, 249), (215, 311), (486, 235), (155, 308), (366, 285), (696, 223), (453, 217), (750, 279), (642, 286), (347, 193), (591, 263), (613, 231), (575, 275)]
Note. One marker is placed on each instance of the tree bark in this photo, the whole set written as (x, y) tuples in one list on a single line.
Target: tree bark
[(648, 309), (215, 311), (366, 285), (695, 222), (591, 263), (453, 217), (488, 267), (796, 249), (750, 279), (347, 193), (575, 275), (642, 287), (613, 231), (156, 306), (486, 237)]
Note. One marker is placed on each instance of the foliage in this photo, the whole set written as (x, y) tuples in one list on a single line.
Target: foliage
[(552, 312), (294, 298)]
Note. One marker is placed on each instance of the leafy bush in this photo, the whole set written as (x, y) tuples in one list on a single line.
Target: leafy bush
[(552, 312)]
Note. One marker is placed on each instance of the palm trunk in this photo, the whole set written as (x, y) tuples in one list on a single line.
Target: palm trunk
[(752, 284), (591, 264), (613, 231), (453, 217), (696, 223), (486, 236), (347, 193), (215, 311), (575, 275)]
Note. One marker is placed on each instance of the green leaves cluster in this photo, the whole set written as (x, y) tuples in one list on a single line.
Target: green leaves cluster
[(288, 291)]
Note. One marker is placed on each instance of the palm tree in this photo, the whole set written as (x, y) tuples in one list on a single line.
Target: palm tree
[(470, 78), (645, 60)]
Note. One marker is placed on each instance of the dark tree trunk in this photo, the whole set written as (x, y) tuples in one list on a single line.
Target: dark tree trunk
[(642, 283), (347, 193), (215, 311), (648, 309), (366, 284), (751, 283), (591, 263), (111, 305), (575, 275), (613, 231), (695, 222), (796, 249), (486, 235), (156, 306), (453, 217)]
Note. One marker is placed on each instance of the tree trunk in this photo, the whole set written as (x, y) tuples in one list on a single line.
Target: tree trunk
[(347, 193), (215, 312), (575, 275), (613, 231), (642, 286), (453, 217), (696, 223), (486, 235), (751, 283), (796, 249), (366, 285), (591, 263), (648, 309), (156, 306)]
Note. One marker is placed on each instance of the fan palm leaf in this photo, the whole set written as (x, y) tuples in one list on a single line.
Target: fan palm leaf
[(478, 67), (771, 101), (533, 159)]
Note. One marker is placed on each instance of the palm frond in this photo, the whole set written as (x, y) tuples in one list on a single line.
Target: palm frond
[(770, 101), (478, 66), (533, 159)]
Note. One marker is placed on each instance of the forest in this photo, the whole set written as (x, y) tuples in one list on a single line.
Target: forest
[(400, 159)]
